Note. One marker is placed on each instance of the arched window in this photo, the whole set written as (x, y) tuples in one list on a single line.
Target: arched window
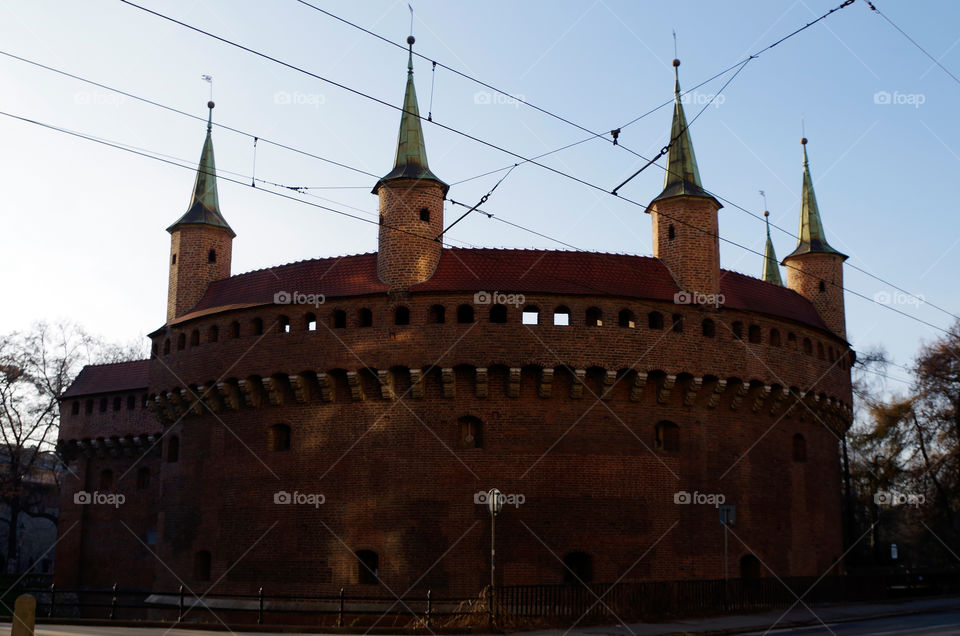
[(310, 321), (103, 405), (530, 315), (738, 330), (235, 329), (470, 432), (339, 319), (561, 316), (194, 337), (437, 314), (465, 314), (143, 478), (791, 340), (677, 323), (594, 317), (807, 346), (625, 319), (709, 329), (366, 317), (668, 436), (173, 449), (75, 408), (201, 566), (820, 353), (257, 324), (753, 334), (117, 403), (181, 342), (401, 315), (212, 256), (775, 338), (655, 320), (799, 448), (278, 437), (88, 407), (213, 333), (577, 568), (166, 347), (368, 567), (284, 323), (498, 314), (106, 479), (750, 567)]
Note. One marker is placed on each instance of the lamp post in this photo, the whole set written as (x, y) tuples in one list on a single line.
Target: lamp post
[(494, 505)]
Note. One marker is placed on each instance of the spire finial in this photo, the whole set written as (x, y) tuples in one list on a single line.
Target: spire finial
[(210, 106), (410, 41), (676, 77), (811, 237)]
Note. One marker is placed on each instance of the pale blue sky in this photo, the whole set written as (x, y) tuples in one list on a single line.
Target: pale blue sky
[(83, 225)]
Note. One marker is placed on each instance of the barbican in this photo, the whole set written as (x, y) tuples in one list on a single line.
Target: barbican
[(350, 441)]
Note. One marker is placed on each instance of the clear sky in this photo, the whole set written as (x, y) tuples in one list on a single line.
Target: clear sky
[(83, 225)]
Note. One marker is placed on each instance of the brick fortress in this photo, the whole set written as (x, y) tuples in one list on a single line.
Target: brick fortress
[(618, 384)]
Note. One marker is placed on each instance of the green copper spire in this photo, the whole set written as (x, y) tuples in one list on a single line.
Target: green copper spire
[(771, 271), (411, 162), (683, 176), (811, 237), (205, 205)]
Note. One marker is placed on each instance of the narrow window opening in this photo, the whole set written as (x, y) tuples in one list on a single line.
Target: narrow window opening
[(677, 323), (561, 316), (401, 316), (655, 320), (235, 329), (823, 286), (278, 437), (437, 314), (339, 319), (594, 317), (75, 408), (668, 436), (425, 215), (284, 323), (368, 567), (131, 402), (471, 432), (799, 448), (366, 317), (194, 338), (213, 334), (671, 232), (181, 342), (709, 328), (775, 338), (498, 314), (754, 334), (173, 259), (530, 315), (311, 322), (738, 330), (625, 319), (257, 326), (212, 256), (464, 314), (173, 449)]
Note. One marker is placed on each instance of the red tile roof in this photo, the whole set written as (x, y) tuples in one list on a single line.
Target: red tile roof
[(507, 271), (107, 378)]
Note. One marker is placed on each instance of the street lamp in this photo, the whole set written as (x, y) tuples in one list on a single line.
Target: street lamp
[(494, 505)]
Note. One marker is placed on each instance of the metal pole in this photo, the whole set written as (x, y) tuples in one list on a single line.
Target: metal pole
[(113, 603), (53, 599), (429, 605), (340, 618), (726, 593), (493, 566), (180, 614), (260, 610)]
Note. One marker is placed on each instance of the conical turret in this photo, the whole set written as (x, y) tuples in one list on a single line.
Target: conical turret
[(771, 269)]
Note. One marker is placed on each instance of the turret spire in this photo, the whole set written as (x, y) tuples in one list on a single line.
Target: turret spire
[(205, 204), (811, 237), (411, 161), (683, 175), (771, 271)]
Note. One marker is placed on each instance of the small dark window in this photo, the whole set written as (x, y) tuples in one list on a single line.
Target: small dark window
[(257, 326), (625, 319), (530, 315), (498, 314), (471, 432), (310, 321), (561, 316), (792, 340), (425, 214), (88, 407), (401, 315), (166, 347), (213, 333), (750, 567), (194, 338), (143, 402), (103, 405), (278, 437), (738, 330), (807, 346), (464, 314), (173, 449), (366, 317), (577, 568), (437, 314), (339, 319), (820, 353), (173, 259), (284, 323), (677, 323), (753, 334), (201, 566), (181, 342), (368, 567), (106, 479), (775, 338), (143, 478), (75, 408), (594, 317), (668, 436), (235, 329), (655, 320), (823, 286), (131, 402), (671, 232), (799, 448), (709, 329), (212, 256), (117, 403), (381, 220)]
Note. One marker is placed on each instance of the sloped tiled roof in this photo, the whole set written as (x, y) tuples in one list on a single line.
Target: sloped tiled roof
[(504, 270), (107, 378)]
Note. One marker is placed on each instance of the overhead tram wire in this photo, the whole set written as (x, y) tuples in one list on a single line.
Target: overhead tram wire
[(505, 150), (912, 41)]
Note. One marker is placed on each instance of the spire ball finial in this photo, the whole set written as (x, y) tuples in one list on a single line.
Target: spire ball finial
[(803, 141), (676, 62), (411, 40), (766, 213), (210, 105)]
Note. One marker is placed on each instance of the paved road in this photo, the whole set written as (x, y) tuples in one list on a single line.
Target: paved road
[(924, 624)]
